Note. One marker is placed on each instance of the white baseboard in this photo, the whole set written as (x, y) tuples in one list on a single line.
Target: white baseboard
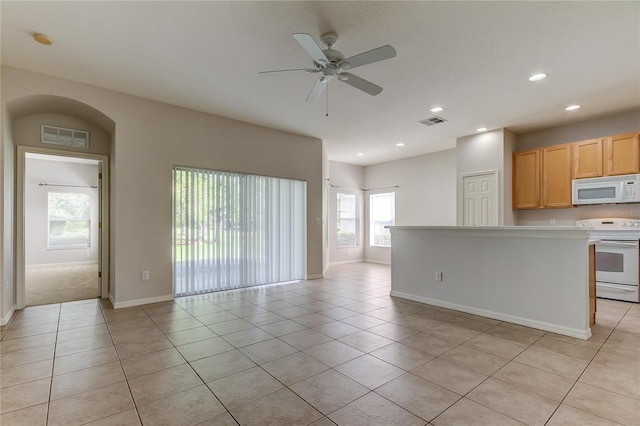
[(137, 302), (540, 325), (314, 276), (343, 262), (5, 319), (50, 265), (381, 262)]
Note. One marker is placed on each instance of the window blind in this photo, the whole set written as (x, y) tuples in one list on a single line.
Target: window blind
[(234, 230)]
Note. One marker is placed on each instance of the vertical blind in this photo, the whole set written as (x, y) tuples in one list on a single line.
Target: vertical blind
[(233, 230)]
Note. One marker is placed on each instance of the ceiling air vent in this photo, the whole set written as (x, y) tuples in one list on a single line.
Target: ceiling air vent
[(64, 137), (432, 120)]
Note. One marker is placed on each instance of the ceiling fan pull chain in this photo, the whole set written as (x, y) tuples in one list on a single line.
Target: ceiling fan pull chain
[(326, 113)]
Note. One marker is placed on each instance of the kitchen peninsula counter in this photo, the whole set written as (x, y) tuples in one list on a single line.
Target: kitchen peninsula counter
[(536, 276)]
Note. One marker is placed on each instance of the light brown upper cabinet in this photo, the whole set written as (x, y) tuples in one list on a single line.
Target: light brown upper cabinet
[(556, 176), (526, 179), (542, 178), (587, 159), (621, 155)]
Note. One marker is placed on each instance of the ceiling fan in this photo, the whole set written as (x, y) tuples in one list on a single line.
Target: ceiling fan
[(332, 64)]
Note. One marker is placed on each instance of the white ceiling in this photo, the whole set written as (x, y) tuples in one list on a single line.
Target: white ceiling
[(474, 58)]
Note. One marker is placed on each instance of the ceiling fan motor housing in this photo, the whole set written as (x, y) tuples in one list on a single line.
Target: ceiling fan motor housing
[(334, 56)]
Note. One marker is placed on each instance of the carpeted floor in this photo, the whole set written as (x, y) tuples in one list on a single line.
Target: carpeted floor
[(58, 283)]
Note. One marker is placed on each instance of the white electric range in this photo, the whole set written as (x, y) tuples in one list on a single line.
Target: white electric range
[(617, 254)]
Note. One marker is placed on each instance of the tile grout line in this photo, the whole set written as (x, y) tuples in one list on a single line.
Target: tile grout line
[(53, 365), (135, 406), (582, 373)]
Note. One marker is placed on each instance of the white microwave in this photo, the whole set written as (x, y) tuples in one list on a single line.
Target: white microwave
[(606, 190)]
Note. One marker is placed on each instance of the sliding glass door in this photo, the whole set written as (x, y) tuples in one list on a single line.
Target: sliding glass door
[(233, 230)]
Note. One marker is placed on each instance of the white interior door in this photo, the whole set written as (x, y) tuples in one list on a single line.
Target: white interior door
[(480, 199)]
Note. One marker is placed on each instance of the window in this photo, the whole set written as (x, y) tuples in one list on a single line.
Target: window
[(382, 212), (233, 230), (347, 222), (69, 220)]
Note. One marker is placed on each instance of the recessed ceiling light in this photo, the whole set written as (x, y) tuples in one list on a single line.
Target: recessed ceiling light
[(359, 154), (481, 129), (572, 107), (400, 144), (437, 109), (538, 77), (43, 39)]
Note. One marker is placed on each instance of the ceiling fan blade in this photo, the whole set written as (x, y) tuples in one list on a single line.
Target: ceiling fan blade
[(318, 89), (375, 55), (360, 83), (293, 69), (309, 44)]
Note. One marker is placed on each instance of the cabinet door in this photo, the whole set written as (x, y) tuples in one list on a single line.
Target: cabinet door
[(622, 154), (587, 158), (556, 176), (526, 180)]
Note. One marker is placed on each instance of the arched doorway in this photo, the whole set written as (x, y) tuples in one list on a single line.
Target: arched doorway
[(28, 115)]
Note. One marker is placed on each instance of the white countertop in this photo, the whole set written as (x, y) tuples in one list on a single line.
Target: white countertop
[(498, 228), (559, 232)]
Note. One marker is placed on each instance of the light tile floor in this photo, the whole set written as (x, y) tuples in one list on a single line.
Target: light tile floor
[(336, 350)]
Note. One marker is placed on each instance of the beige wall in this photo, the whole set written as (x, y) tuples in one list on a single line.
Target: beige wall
[(27, 132), (148, 140), (7, 258), (426, 193), (624, 122)]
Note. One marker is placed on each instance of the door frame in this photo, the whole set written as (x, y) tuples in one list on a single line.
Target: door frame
[(103, 225), (495, 173)]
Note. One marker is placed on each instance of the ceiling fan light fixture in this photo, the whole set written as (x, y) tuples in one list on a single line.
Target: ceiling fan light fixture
[(437, 109), (43, 39), (343, 77)]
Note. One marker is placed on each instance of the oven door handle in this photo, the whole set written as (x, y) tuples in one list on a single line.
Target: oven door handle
[(605, 243)]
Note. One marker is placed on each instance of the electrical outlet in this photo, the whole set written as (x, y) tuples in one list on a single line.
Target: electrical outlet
[(438, 276), (145, 275)]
